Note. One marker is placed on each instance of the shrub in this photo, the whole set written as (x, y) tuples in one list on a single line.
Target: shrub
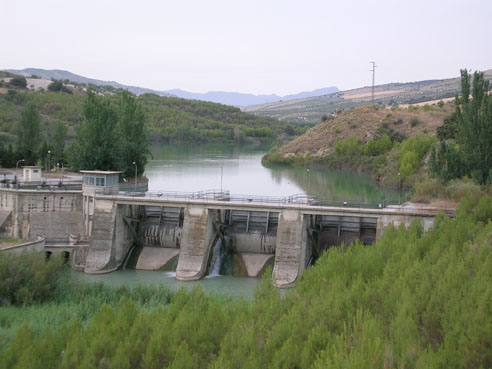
[(414, 122), (27, 278), (18, 82), (348, 147), (412, 152)]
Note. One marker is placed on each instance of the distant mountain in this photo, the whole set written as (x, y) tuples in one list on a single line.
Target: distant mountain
[(227, 98), (240, 99), (63, 74)]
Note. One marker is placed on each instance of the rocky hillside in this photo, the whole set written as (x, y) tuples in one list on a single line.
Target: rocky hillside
[(364, 123)]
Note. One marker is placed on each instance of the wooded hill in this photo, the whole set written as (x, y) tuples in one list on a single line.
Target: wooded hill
[(167, 118)]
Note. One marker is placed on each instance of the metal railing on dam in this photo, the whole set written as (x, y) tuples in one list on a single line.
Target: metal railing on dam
[(225, 197), (49, 185)]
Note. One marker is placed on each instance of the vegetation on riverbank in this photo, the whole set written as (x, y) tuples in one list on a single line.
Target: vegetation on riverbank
[(167, 118), (413, 299), (389, 161)]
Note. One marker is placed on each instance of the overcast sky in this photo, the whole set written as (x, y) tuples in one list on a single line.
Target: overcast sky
[(268, 46)]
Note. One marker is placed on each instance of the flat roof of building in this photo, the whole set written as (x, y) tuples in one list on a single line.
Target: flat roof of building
[(100, 172), (31, 166)]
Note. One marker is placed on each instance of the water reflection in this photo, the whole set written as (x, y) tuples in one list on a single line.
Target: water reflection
[(195, 167)]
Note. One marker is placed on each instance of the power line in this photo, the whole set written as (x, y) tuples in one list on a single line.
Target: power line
[(373, 70)]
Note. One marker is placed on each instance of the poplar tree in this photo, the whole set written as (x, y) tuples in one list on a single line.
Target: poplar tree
[(29, 134), (97, 143), (474, 127), (134, 136)]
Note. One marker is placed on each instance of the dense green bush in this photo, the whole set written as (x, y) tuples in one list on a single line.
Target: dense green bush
[(412, 152), (349, 147), (27, 278), (378, 147), (414, 299)]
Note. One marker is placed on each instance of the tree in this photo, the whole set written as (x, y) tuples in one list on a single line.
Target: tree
[(448, 129), (134, 136), (58, 86), (97, 142), (29, 134), (59, 137), (474, 127), (18, 82)]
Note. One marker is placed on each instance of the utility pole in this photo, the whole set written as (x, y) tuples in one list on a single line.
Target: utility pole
[(373, 70)]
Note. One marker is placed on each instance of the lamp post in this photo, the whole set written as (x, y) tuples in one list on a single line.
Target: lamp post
[(49, 161), (221, 180), (17, 167), (134, 163), (17, 164), (309, 180), (399, 189)]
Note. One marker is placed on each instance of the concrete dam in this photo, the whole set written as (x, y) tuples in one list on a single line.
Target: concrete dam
[(102, 227)]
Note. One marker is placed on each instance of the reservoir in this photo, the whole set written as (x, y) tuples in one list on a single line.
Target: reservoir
[(190, 167), (195, 167)]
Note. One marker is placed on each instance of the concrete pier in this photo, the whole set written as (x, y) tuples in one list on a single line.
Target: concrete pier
[(196, 243), (291, 248), (110, 239)]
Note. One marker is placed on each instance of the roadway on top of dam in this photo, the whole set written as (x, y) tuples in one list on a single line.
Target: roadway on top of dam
[(216, 199)]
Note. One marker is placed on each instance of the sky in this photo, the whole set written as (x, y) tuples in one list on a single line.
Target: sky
[(260, 47)]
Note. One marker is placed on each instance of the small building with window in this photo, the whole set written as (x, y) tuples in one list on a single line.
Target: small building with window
[(100, 181), (97, 181), (31, 174)]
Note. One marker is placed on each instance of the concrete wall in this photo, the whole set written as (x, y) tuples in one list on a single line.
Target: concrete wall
[(23, 204), (56, 227), (196, 243), (386, 220)]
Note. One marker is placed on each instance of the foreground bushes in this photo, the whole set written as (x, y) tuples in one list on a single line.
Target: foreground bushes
[(412, 300), (27, 278)]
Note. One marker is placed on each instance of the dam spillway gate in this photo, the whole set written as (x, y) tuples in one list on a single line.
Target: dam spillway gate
[(184, 236)]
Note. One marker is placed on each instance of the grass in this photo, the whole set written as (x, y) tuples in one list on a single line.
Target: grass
[(75, 299), (9, 241)]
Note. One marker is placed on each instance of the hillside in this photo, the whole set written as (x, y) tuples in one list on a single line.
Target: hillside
[(387, 142), (312, 109), (72, 77), (170, 119), (363, 123), (221, 97)]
